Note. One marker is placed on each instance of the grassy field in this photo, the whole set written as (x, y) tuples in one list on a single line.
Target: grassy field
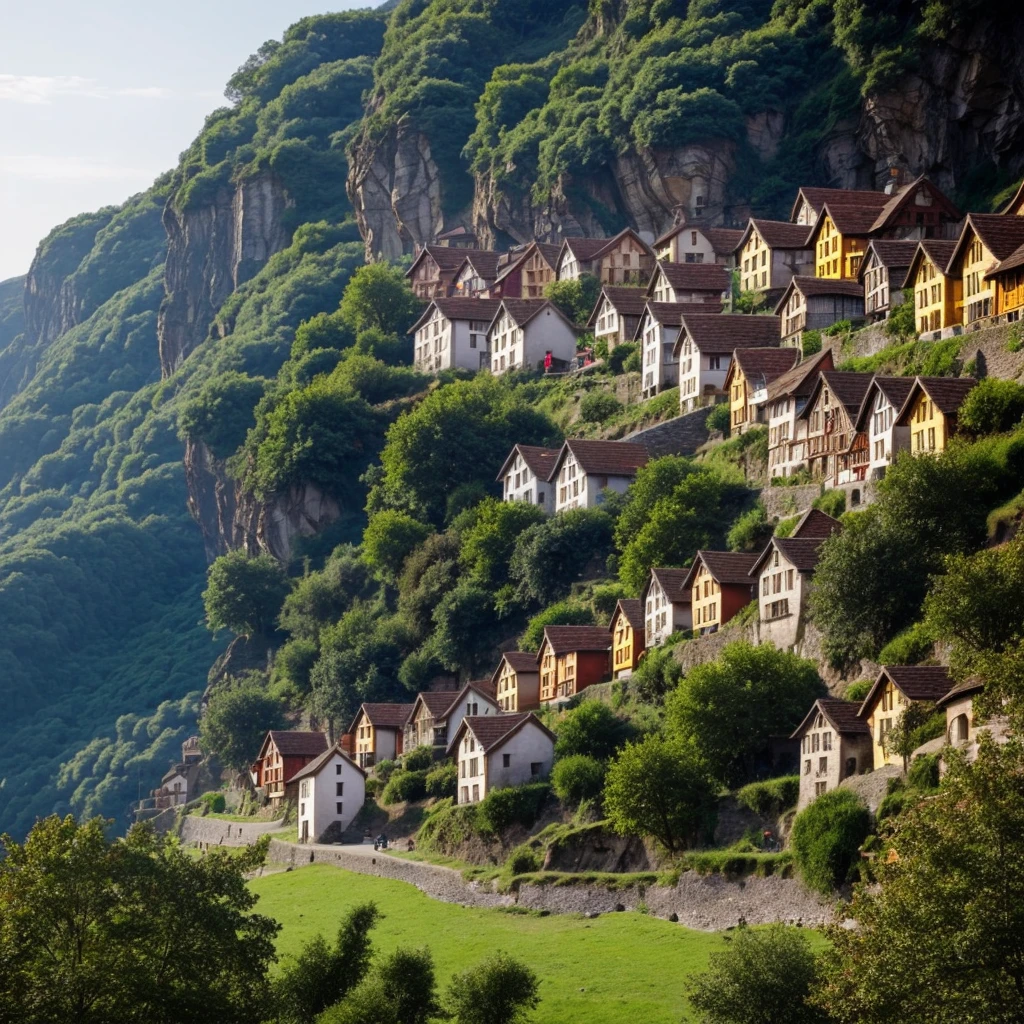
[(615, 968)]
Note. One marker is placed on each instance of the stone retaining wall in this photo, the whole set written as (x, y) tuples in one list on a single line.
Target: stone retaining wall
[(218, 832)]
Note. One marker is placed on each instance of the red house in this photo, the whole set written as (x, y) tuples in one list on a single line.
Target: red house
[(282, 754), (570, 659)]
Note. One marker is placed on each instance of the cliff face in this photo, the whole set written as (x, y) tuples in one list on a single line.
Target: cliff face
[(212, 249)]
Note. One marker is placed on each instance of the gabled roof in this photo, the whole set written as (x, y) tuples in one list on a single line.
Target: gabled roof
[(447, 258), (383, 716), (968, 689), (947, 393), (815, 524), (726, 567), (539, 460), (603, 458), (292, 743), (493, 731), (663, 313), (852, 217), (801, 552), (694, 277), (518, 661), (1000, 235), (461, 231), (894, 254), (937, 250), (723, 240), (671, 582), (761, 366), (726, 332), (563, 639), (776, 234), (547, 251), (801, 379), (848, 388), (486, 264), (625, 301), (522, 311), (484, 688), (459, 308), (915, 682), (1012, 262), (841, 714), (588, 249), (435, 701), (903, 195), (818, 197), (314, 766), (895, 390), (633, 610), (810, 287)]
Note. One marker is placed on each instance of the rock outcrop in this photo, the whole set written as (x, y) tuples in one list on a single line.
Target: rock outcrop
[(213, 249)]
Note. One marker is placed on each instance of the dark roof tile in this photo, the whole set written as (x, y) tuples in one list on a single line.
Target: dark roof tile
[(725, 332), (491, 731), (576, 638), (915, 682), (292, 743), (633, 609), (778, 234), (843, 714), (604, 458), (709, 277), (318, 762), (672, 582), (727, 567)]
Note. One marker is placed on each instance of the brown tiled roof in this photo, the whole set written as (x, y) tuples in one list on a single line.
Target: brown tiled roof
[(520, 661), (727, 567), (318, 762), (894, 254), (801, 552), (436, 702), (938, 250), (723, 240), (486, 264), (447, 258), (778, 234), (815, 524), (633, 609), (298, 744), (604, 458), (947, 393), (548, 251), (386, 716), (1012, 262), (841, 713), (711, 277), (540, 460), (802, 378), (668, 312), (765, 364), (968, 689), (1001, 235), (855, 215), (895, 390), (610, 243), (725, 332), (576, 638), (818, 197), (585, 249), (522, 311), (671, 581), (459, 308), (625, 301), (491, 731), (848, 388), (826, 286), (902, 195), (915, 682)]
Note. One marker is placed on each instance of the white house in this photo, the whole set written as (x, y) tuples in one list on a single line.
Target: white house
[(666, 605), (696, 243), (584, 469), (705, 283), (524, 476), (657, 332), (787, 431), (704, 349), (770, 254), (378, 731), (877, 438), (453, 333), (624, 259), (499, 751), (882, 273), (332, 789), (523, 332), (616, 314)]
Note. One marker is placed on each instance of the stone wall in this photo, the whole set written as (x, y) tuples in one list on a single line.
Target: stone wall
[(682, 435), (784, 502), (219, 832)]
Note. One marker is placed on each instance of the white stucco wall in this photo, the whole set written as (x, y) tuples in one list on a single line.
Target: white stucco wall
[(530, 747), (530, 488), (777, 584), (319, 797), (480, 706)]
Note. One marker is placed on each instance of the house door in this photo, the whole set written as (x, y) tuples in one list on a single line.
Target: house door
[(305, 831)]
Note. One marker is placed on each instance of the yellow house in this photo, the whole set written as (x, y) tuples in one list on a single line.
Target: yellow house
[(931, 410), (841, 234), (378, 732), (720, 585), (1007, 279), (770, 254), (750, 372), (628, 637), (516, 682), (986, 240), (570, 659), (896, 687), (935, 293)]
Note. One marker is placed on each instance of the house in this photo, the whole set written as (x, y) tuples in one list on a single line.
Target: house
[(627, 630), (656, 334), (616, 315), (834, 745), (704, 349), (930, 411), (750, 372), (528, 273), (282, 754), (1007, 280), (379, 731), (814, 303), (720, 585), (178, 785), (782, 576), (476, 698), (516, 682), (811, 200), (453, 333), (524, 476), (769, 254), (500, 751), (829, 415), (787, 397), (705, 283), (876, 437), (936, 311), (962, 726), (624, 259), (426, 725), (666, 604), (896, 687), (459, 237), (882, 273), (570, 659), (475, 278), (584, 469), (433, 270), (986, 240), (696, 243), (331, 792), (524, 331)]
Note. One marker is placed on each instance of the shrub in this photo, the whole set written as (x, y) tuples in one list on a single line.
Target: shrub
[(577, 778), (446, 826), (811, 343), (514, 805), (857, 691), (598, 406), (832, 503), (718, 418), (384, 769), (214, 802), (911, 647), (826, 838), (522, 860), (591, 729), (443, 781), (404, 786), (992, 406), (633, 363), (373, 787), (621, 355), (901, 322), (420, 759), (773, 796), (924, 772), (751, 531)]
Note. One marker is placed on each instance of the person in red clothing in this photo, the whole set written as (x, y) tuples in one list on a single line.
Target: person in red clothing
[(547, 362)]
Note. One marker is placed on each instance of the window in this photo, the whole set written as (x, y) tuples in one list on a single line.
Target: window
[(826, 741), (337, 769), (807, 767), (476, 793), (535, 768), (820, 788), (302, 810), (339, 789), (474, 765), (506, 760), (305, 789), (464, 797), (462, 767), (338, 808)]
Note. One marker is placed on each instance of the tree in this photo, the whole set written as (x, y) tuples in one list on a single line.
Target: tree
[(562, 613), (730, 708), (903, 738), (660, 788), (378, 296), (761, 977), (389, 539), (576, 299), (132, 930), (238, 715), (950, 899), (244, 594), (467, 630), (321, 975), (325, 331), (992, 406), (827, 836), (488, 544), (398, 990), (500, 990), (577, 778), (222, 411), (591, 729)]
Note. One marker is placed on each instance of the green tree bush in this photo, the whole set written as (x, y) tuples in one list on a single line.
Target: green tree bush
[(398, 989), (378, 296), (576, 299), (419, 759), (500, 990), (562, 613), (592, 729), (826, 838), (513, 805), (238, 716), (576, 778), (222, 411), (443, 781), (718, 419), (773, 796), (598, 406), (991, 407), (244, 594), (389, 539)]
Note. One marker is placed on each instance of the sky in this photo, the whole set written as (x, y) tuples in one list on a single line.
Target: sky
[(98, 97)]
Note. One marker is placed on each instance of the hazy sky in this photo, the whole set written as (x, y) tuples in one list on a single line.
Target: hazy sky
[(98, 98)]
